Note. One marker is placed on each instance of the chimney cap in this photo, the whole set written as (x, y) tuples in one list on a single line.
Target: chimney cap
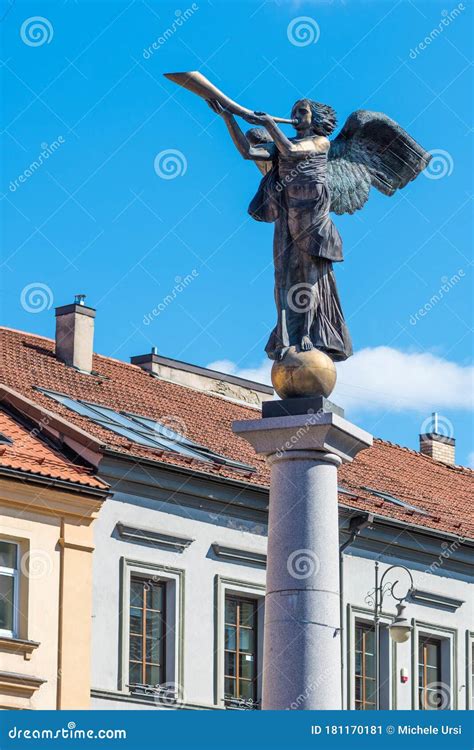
[(77, 306)]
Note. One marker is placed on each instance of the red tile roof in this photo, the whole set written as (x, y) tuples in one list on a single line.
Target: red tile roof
[(29, 454), (28, 361)]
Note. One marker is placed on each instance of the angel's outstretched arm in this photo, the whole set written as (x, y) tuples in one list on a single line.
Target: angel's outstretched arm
[(283, 144), (240, 140)]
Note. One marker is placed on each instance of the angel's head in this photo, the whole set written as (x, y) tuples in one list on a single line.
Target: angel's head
[(317, 117)]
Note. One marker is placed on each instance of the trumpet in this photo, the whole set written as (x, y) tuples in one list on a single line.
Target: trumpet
[(200, 85)]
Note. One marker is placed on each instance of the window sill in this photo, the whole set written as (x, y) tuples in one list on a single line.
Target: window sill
[(18, 646)]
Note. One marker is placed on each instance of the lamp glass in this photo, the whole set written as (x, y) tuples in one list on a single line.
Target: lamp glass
[(400, 632)]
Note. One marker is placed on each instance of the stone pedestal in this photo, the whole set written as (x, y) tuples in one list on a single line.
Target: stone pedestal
[(302, 656)]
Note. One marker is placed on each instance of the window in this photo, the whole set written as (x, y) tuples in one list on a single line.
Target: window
[(8, 588), (396, 501), (365, 667), (429, 674), (240, 649), (147, 632), (144, 431)]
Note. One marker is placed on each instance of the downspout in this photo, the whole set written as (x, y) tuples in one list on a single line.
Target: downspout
[(357, 523)]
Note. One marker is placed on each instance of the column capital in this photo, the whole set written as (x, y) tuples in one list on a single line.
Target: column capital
[(322, 432)]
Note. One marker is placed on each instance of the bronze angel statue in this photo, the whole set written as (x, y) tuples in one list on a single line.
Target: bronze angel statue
[(305, 178)]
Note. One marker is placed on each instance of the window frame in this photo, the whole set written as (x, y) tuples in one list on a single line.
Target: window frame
[(239, 600), (248, 590), (174, 580), (143, 662), (449, 662), (423, 641), (13, 573), (366, 627), (388, 653)]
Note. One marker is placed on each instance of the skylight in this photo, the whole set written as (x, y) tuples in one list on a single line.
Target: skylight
[(144, 431), (396, 501)]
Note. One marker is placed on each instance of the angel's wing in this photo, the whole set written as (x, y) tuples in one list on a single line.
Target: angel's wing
[(260, 137), (371, 149)]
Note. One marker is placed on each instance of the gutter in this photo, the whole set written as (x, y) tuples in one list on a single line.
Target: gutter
[(425, 529), (265, 489), (61, 484), (185, 470)]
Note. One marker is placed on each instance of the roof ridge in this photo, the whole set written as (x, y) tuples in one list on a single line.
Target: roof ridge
[(26, 333), (418, 454)]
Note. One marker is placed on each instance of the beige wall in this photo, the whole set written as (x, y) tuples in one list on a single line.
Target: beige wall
[(55, 584)]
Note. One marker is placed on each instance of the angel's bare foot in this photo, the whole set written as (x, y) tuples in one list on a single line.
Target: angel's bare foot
[(306, 344), (281, 353)]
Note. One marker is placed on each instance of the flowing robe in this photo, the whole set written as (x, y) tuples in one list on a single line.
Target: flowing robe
[(295, 195)]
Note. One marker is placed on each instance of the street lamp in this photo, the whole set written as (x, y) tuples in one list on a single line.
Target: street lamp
[(400, 628)]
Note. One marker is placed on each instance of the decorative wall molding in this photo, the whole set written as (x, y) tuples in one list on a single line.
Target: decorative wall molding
[(154, 538), (436, 600), (18, 646), (234, 554), (19, 685)]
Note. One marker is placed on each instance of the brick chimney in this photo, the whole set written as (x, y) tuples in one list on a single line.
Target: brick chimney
[(435, 444), (75, 334)]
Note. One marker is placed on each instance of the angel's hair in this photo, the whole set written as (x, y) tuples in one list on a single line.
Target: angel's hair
[(324, 118)]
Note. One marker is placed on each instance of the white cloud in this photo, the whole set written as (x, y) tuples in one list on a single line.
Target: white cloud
[(385, 378), (470, 460)]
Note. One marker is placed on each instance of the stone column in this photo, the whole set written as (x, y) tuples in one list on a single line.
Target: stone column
[(302, 656)]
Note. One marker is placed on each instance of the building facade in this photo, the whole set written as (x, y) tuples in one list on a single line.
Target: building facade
[(180, 543), (47, 509)]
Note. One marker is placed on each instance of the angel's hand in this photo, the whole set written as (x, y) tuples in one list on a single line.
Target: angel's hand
[(216, 107), (258, 118)]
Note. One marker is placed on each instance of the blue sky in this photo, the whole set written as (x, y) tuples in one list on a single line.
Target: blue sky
[(96, 217)]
